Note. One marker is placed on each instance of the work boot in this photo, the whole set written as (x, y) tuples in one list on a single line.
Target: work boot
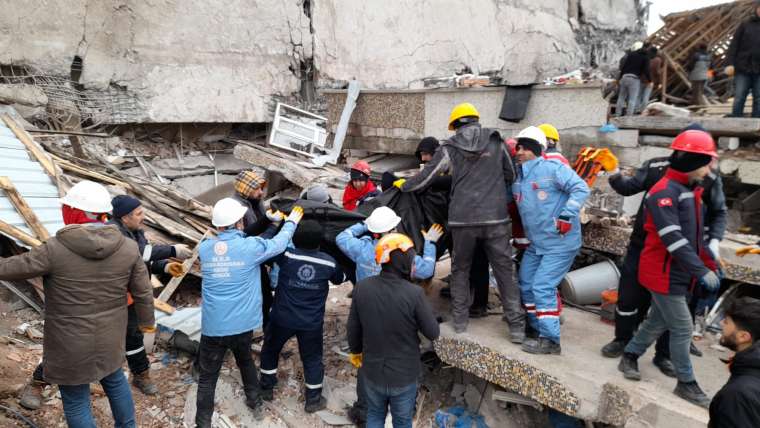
[(614, 349), (480, 312), (142, 382), (691, 392), (256, 406), (693, 350), (629, 365), (459, 328), (267, 394), (31, 395), (356, 415), (665, 365), (530, 332), (517, 335), (316, 405), (541, 346)]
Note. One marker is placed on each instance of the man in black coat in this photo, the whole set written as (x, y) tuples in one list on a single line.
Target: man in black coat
[(743, 58), (737, 404)]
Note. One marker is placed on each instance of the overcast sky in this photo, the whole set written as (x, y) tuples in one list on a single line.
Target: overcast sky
[(664, 7)]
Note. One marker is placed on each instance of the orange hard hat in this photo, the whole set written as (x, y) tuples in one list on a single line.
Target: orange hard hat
[(694, 141), (389, 243)]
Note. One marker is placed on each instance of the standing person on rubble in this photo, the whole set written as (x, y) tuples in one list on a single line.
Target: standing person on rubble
[(743, 59), (129, 216), (632, 68), (674, 260), (552, 143), (360, 187), (231, 308), (87, 269), (699, 67), (387, 315), (634, 299), (481, 172), (737, 404), (549, 197), (304, 278)]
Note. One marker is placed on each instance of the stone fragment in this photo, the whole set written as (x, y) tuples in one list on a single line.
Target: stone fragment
[(728, 166), (728, 143), (749, 172)]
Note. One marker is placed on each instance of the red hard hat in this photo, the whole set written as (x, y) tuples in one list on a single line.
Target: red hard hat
[(511, 146), (362, 167), (694, 141)]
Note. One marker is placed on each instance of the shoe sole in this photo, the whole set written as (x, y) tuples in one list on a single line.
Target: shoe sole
[(704, 405), (539, 352), (612, 354)]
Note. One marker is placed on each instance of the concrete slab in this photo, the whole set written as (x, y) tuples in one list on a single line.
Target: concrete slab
[(590, 136)]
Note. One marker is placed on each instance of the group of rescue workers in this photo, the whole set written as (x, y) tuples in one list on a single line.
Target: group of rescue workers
[(265, 269)]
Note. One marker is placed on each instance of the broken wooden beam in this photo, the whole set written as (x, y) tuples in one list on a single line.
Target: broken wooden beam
[(718, 127), (18, 234), (167, 292), (29, 301), (163, 306), (26, 212)]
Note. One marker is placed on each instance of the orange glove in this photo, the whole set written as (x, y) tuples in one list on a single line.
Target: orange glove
[(151, 329), (607, 160), (355, 359), (174, 269)]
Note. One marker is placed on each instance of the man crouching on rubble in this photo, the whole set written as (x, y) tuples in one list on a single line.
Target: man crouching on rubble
[(88, 268), (231, 308)]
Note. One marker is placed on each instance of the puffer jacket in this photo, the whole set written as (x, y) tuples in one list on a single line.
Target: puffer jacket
[(87, 271), (481, 171)]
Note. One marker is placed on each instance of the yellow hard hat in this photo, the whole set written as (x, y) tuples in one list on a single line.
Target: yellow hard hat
[(460, 111), (550, 131), (389, 243)]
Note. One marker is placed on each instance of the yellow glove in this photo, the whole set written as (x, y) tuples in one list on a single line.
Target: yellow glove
[(607, 160), (151, 329), (750, 249), (355, 359), (729, 70), (296, 214), (174, 269), (433, 234), (398, 183)]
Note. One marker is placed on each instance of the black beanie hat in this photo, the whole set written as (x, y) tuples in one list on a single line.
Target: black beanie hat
[(688, 161), (123, 205), (308, 236), (426, 145), (358, 175), (529, 144)]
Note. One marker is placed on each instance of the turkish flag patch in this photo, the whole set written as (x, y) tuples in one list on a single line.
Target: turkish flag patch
[(665, 202)]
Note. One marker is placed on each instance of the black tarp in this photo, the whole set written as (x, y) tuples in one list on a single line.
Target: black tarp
[(515, 103)]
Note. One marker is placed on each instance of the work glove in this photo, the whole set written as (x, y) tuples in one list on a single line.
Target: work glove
[(714, 247), (149, 329), (182, 251), (398, 183), (355, 359), (295, 216), (174, 269), (607, 160), (729, 70), (710, 281), (750, 249), (433, 234), (563, 225), (275, 217)]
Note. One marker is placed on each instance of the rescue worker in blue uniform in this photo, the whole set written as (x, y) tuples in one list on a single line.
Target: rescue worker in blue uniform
[(549, 197), (231, 308), (299, 310), (359, 245)]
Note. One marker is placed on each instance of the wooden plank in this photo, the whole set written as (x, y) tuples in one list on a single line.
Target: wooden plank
[(24, 209), (22, 296), (55, 132), (16, 233), (718, 127), (167, 292), (163, 306), (36, 152)]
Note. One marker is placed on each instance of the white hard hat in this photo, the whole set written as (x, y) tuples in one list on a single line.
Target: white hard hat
[(88, 196), (533, 133), (227, 212), (382, 219)]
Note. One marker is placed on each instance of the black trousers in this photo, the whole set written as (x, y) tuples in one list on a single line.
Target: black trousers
[(267, 296), (310, 350), (137, 358), (633, 302), (210, 359), (479, 278)]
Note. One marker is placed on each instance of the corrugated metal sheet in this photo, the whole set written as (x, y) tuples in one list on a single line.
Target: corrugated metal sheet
[(32, 183)]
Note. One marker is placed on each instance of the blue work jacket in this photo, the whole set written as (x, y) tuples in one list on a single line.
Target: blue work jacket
[(544, 191), (230, 264), (357, 245)]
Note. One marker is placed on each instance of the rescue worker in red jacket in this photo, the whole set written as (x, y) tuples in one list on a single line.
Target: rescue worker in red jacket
[(675, 261), (360, 187)]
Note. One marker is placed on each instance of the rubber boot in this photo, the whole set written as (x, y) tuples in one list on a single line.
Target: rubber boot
[(143, 382)]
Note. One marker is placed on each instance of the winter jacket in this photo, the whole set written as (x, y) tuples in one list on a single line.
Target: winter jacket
[(481, 171), (713, 198), (231, 289), (737, 404), (255, 221), (155, 256), (387, 312), (636, 63), (544, 191), (359, 246), (302, 286), (352, 197), (87, 271), (744, 51), (674, 257), (699, 66)]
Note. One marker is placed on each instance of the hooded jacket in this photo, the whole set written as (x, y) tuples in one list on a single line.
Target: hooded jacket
[(744, 51), (87, 271), (156, 257), (737, 404), (481, 172)]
